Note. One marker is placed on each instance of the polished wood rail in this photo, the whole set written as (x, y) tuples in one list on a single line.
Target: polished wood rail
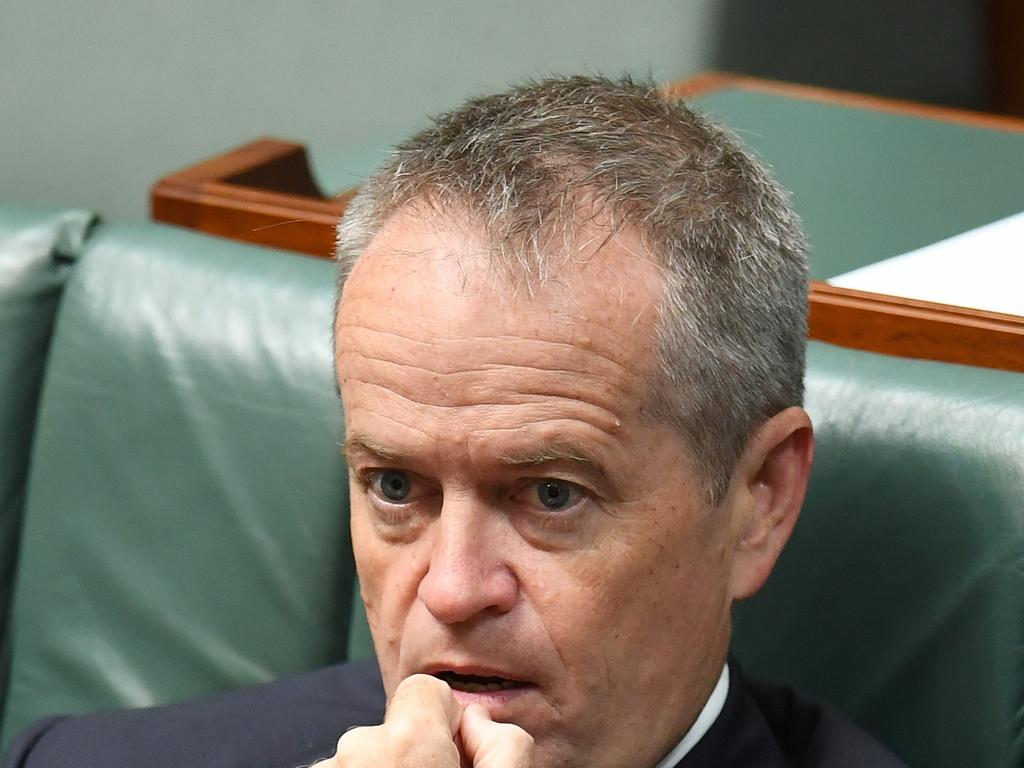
[(262, 192)]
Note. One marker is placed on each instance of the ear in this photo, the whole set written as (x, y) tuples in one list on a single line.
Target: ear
[(765, 496)]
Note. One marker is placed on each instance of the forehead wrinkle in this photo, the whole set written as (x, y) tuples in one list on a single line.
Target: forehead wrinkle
[(542, 402), (516, 343), (518, 369), (378, 414), (453, 370), (508, 388)]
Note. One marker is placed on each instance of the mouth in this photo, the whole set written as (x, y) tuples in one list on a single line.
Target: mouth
[(470, 683)]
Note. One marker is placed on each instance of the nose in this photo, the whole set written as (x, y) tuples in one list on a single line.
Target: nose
[(469, 575)]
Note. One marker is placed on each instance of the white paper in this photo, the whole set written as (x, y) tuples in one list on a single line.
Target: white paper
[(982, 268)]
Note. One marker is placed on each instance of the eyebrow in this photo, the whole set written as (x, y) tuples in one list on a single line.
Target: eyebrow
[(555, 452), (548, 453), (356, 444), (362, 444)]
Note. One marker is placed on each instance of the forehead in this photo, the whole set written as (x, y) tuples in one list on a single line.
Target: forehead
[(442, 357), (437, 278)]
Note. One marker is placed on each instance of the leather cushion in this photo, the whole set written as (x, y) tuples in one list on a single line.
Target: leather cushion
[(900, 598), (186, 528)]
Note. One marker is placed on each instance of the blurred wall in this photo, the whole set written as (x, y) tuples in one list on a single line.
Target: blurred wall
[(924, 50), (99, 98)]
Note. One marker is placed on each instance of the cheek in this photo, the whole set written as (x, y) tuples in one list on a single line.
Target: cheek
[(648, 593), (584, 601), (388, 584)]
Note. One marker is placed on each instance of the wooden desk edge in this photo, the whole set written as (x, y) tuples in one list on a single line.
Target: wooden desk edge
[(911, 328), (264, 192)]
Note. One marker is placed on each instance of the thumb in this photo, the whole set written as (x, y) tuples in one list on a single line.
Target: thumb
[(494, 745)]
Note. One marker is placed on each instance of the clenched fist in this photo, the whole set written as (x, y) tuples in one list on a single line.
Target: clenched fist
[(425, 727)]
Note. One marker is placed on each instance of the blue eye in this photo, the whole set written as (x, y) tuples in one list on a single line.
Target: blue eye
[(555, 494), (392, 485)]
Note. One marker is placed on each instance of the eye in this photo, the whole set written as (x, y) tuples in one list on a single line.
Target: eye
[(392, 485), (397, 497), (554, 495)]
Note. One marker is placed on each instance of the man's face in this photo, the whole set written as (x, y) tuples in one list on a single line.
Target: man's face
[(521, 529)]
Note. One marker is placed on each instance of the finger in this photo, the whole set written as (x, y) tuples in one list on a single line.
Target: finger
[(423, 701), (494, 745)]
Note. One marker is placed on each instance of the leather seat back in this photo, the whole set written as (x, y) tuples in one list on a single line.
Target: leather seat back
[(186, 524), (901, 596)]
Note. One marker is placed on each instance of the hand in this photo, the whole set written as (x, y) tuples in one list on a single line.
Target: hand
[(423, 728), (488, 744)]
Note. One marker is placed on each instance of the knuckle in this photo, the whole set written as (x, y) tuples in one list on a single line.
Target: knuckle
[(404, 735), (356, 740)]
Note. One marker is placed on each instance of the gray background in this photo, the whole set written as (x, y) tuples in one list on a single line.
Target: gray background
[(99, 98)]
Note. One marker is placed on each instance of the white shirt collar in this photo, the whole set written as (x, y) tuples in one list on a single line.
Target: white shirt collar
[(706, 718)]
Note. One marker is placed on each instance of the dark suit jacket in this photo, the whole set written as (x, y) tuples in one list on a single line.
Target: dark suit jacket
[(294, 722)]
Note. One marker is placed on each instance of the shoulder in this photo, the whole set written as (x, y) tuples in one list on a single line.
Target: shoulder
[(816, 734), (773, 726), (287, 723)]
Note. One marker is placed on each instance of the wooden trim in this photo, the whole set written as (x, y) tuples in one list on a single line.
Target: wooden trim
[(920, 329), (263, 192)]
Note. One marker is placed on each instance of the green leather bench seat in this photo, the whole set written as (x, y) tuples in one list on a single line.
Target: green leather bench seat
[(186, 528), (37, 247), (901, 596)]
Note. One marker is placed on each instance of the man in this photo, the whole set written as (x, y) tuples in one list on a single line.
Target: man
[(569, 342)]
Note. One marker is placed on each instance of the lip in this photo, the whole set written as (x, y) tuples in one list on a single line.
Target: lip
[(477, 670), (493, 701)]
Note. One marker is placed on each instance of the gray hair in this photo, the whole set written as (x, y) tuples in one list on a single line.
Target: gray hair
[(526, 163)]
